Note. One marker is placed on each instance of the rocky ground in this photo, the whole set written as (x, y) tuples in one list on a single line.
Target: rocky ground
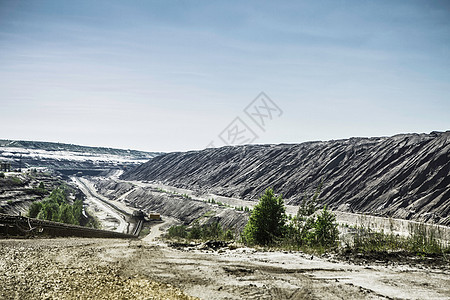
[(75, 268)]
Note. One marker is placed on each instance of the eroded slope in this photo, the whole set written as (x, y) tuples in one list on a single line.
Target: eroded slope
[(405, 176)]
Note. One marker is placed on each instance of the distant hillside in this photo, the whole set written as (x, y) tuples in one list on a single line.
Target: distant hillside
[(405, 176), (24, 154)]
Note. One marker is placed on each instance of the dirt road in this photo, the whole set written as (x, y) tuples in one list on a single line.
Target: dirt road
[(159, 229), (116, 269), (110, 218)]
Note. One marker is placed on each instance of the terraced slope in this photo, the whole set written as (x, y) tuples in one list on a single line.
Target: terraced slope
[(405, 176), (31, 154), (19, 190)]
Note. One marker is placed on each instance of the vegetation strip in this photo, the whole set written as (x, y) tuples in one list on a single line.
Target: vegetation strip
[(315, 230)]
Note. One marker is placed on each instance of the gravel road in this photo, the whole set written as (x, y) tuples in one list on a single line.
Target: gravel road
[(110, 218)]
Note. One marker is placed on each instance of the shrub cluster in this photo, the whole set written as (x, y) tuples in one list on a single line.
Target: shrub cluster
[(269, 225), (422, 240), (56, 207), (317, 232), (312, 230), (212, 231)]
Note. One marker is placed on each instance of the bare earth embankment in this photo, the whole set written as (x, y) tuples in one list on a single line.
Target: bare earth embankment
[(404, 176)]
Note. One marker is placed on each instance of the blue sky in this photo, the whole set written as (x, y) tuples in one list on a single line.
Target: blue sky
[(172, 75)]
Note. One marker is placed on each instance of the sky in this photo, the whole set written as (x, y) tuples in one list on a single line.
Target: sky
[(185, 75)]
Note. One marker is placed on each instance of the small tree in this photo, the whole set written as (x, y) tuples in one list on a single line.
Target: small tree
[(195, 232), (212, 231), (59, 195), (309, 229), (309, 205), (267, 221), (77, 209), (49, 211), (325, 229), (178, 231), (66, 214), (34, 209)]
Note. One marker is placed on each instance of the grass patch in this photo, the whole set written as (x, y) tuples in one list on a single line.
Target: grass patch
[(145, 231), (205, 232), (422, 241), (11, 181)]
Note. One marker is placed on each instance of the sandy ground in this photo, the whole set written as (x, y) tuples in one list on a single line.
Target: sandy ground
[(75, 268), (158, 229)]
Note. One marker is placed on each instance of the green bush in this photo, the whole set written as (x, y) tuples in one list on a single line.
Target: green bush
[(195, 232), (34, 209), (59, 195), (325, 232), (186, 196), (56, 207), (211, 231), (269, 225), (77, 209), (228, 236), (177, 231), (49, 211), (267, 221), (422, 240), (66, 214)]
